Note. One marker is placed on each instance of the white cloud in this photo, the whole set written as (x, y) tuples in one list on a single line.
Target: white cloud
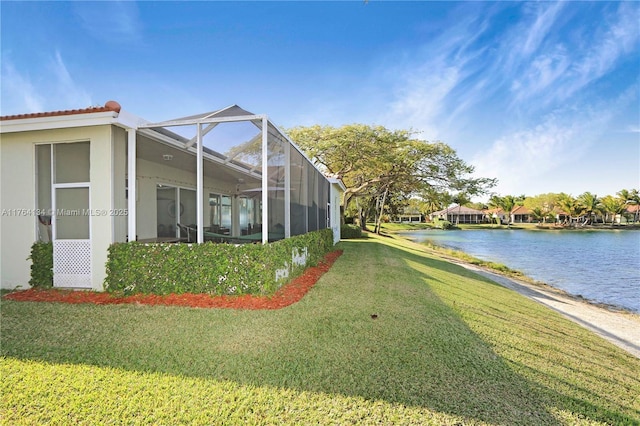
[(524, 157), (429, 90), (110, 21), (19, 95), (23, 94), (555, 71), (67, 91), (618, 40), (422, 96), (535, 33), (543, 72)]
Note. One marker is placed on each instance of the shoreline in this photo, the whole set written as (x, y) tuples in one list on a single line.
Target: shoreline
[(620, 327), (613, 323)]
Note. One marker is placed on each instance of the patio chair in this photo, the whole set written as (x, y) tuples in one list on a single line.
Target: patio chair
[(191, 234)]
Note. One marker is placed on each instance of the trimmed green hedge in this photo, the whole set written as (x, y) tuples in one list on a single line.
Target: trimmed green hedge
[(350, 231), (212, 268), (41, 265)]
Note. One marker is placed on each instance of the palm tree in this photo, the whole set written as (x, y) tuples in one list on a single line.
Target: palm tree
[(506, 203), (539, 214), (570, 206), (613, 206), (630, 198), (635, 198), (433, 200), (590, 204)]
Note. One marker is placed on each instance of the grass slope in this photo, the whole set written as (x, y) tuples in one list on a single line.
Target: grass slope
[(447, 347)]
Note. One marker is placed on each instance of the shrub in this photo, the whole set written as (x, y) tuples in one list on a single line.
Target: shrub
[(350, 231), (442, 224), (212, 268), (41, 265)]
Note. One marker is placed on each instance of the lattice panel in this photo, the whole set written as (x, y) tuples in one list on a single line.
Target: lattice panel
[(72, 263)]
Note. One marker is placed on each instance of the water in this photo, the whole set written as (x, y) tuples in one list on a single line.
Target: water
[(603, 266)]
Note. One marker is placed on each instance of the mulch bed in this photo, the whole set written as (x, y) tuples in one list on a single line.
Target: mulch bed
[(285, 296)]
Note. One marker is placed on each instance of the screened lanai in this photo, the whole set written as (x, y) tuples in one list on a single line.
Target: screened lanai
[(252, 183)]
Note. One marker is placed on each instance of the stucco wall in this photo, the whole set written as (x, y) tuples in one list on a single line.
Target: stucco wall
[(17, 205), (119, 185), (101, 201), (18, 199)]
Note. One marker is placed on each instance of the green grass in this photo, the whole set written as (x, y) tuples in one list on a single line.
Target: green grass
[(405, 226), (447, 347)]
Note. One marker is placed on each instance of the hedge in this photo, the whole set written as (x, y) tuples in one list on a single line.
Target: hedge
[(41, 265), (350, 231), (212, 268)]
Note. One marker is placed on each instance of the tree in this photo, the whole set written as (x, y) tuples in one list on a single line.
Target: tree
[(542, 206), (570, 206), (432, 200), (538, 214), (506, 203), (590, 204), (613, 206), (630, 197), (376, 163)]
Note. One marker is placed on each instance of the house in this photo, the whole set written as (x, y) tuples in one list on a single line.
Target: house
[(521, 214), (496, 215), (409, 215), (632, 213), (87, 178), (408, 218), (459, 214)]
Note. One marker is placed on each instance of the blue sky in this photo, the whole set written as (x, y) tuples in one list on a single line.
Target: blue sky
[(544, 96)]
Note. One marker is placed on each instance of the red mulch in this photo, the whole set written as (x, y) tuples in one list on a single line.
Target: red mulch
[(285, 296)]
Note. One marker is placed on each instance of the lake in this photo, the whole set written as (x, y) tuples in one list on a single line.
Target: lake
[(603, 266)]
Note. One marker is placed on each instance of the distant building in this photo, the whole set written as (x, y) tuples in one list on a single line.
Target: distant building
[(459, 214)]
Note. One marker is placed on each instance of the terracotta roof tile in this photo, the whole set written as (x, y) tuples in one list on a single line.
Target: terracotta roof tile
[(520, 210), (109, 106), (632, 208)]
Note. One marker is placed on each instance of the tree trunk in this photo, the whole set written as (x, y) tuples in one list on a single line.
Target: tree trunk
[(375, 216), (384, 199)]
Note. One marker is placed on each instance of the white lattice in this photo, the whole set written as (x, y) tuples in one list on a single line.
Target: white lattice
[(72, 263)]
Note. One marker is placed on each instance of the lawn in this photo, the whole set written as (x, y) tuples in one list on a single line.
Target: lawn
[(390, 335)]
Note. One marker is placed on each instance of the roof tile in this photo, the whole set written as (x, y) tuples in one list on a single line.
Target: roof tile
[(109, 106)]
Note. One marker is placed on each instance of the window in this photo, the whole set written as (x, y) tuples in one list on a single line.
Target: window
[(63, 191)]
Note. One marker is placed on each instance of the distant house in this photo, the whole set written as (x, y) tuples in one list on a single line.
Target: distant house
[(409, 218), (521, 214), (84, 179), (409, 215), (495, 215), (631, 214), (459, 214)]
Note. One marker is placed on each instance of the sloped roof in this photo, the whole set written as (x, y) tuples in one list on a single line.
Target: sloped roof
[(520, 210), (230, 111), (109, 106), (633, 208)]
